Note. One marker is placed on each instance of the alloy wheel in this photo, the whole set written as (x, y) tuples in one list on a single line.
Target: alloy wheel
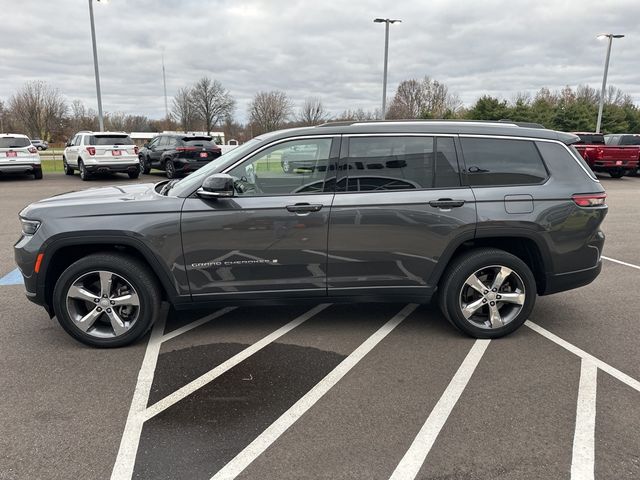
[(492, 297), (103, 304)]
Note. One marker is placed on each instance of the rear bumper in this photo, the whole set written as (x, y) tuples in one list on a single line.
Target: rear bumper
[(185, 165), (16, 167), (614, 165), (112, 167), (568, 281)]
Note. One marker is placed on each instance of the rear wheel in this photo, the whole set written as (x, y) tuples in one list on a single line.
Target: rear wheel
[(37, 173), (170, 169), (134, 174), (65, 166), (106, 300), (84, 173), (616, 173), (487, 293)]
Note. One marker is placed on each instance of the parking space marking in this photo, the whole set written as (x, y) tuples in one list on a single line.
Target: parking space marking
[(415, 456), (241, 461), (583, 457), (196, 324), (14, 277), (211, 375), (614, 372), (621, 262), (123, 467)]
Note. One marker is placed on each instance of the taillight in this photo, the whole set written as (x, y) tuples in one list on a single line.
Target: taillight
[(589, 199), (186, 149), (135, 150), (91, 151), (33, 150)]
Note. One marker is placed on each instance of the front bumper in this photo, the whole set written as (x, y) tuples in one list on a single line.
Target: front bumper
[(26, 252)]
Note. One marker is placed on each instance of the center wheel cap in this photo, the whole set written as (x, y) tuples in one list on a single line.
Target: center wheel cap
[(104, 302)]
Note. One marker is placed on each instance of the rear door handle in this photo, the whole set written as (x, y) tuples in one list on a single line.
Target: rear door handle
[(446, 203), (304, 207)]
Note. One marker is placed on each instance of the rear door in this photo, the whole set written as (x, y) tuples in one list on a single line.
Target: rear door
[(271, 237), (399, 206)]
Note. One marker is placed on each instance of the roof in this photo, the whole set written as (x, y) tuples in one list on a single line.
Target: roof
[(429, 127), (100, 133), (20, 135)]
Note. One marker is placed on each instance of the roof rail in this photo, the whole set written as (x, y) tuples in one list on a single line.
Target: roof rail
[(522, 124)]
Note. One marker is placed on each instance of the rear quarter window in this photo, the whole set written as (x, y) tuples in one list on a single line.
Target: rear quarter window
[(496, 162), (556, 155)]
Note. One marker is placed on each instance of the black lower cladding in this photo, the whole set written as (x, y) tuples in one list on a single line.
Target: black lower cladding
[(200, 434)]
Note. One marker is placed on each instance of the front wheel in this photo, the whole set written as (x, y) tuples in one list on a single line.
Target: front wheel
[(487, 293), (65, 166), (145, 166), (106, 300)]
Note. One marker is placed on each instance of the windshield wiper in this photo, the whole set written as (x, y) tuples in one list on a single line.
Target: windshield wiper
[(168, 186)]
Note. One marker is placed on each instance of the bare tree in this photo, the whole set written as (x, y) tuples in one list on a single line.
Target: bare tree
[(38, 109), (210, 101), (427, 98), (3, 115), (115, 121), (81, 118), (183, 110), (269, 111), (359, 115), (312, 112)]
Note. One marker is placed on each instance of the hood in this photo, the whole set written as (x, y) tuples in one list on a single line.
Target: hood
[(129, 198)]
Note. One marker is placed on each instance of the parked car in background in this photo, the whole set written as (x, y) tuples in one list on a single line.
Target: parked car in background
[(101, 152), (487, 216), (39, 144), (178, 154), (625, 140), (18, 155), (612, 159)]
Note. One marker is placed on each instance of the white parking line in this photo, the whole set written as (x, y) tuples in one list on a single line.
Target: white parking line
[(211, 375), (614, 372), (413, 459), (583, 458), (621, 262), (241, 461), (126, 458), (196, 324)]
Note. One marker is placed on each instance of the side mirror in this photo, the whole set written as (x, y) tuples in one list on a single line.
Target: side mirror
[(68, 144), (218, 185)]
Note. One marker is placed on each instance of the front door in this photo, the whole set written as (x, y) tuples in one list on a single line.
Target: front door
[(271, 237), (399, 205)]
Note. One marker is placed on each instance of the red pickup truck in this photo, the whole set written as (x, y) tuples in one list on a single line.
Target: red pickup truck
[(613, 159)]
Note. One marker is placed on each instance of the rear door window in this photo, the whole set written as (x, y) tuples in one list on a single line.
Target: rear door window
[(496, 162), (401, 163)]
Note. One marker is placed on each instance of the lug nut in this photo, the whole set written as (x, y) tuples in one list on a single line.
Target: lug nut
[(99, 309), (498, 297), (96, 300), (104, 296), (108, 310), (494, 289), (484, 300), (113, 303), (486, 291), (493, 304)]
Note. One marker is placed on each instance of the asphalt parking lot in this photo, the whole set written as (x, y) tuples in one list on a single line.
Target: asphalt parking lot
[(328, 391)]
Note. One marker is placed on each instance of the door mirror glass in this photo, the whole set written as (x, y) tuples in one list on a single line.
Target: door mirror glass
[(218, 185)]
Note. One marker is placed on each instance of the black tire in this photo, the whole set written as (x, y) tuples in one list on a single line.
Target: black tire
[(68, 170), (37, 173), (84, 173), (39, 148), (145, 166), (170, 169), (129, 268), (453, 283), (134, 175), (616, 173)]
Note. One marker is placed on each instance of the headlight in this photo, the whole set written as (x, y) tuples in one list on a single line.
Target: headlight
[(29, 227)]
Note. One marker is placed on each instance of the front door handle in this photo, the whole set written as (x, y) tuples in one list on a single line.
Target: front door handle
[(446, 203), (304, 207)]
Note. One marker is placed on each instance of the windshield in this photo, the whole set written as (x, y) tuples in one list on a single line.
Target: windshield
[(187, 185)]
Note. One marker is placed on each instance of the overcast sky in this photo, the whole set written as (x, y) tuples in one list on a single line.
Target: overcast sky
[(325, 48)]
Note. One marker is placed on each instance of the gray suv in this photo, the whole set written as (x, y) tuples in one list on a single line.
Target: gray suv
[(485, 216)]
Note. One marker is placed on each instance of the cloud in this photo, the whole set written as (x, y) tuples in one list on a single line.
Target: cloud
[(328, 49)]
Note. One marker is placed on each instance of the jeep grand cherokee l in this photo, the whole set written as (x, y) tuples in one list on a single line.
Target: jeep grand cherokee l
[(484, 215)]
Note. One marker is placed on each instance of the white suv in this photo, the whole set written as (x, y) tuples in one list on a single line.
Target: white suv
[(101, 152), (18, 155)]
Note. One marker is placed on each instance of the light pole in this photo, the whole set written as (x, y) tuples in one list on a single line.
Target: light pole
[(610, 36), (95, 63), (386, 21)]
